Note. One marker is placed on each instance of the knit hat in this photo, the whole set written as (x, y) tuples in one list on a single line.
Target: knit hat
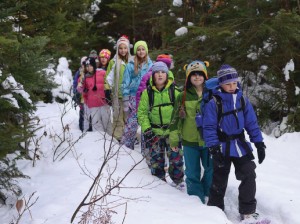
[(123, 40), (198, 66), (227, 74), (105, 53), (82, 60), (140, 43), (93, 54), (165, 58), (159, 66), (91, 61)]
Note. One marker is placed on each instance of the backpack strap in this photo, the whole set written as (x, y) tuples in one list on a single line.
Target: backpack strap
[(171, 92), (223, 137), (218, 101), (150, 96)]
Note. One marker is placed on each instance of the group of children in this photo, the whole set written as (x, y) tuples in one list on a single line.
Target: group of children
[(143, 93)]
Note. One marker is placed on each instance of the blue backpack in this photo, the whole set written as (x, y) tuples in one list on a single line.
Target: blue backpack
[(207, 95)]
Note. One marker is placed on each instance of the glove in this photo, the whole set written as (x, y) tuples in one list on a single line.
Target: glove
[(217, 155), (108, 96), (260, 151)]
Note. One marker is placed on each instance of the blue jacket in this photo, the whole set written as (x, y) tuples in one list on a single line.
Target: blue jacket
[(229, 124), (131, 81)]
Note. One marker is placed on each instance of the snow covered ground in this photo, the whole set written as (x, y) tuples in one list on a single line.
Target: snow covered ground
[(62, 184)]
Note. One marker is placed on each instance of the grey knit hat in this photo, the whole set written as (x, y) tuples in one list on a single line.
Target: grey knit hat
[(159, 66)]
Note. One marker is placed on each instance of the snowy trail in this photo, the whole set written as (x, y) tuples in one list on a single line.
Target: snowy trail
[(275, 212), (277, 182)]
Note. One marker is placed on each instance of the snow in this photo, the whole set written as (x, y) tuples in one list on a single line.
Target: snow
[(60, 184), (63, 78), (177, 3), (11, 99), (14, 86), (181, 31), (290, 66)]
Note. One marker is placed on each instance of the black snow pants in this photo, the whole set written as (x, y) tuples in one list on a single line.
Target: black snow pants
[(244, 172)]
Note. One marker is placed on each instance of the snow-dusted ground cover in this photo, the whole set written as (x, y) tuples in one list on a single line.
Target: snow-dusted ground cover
[(61, 185)]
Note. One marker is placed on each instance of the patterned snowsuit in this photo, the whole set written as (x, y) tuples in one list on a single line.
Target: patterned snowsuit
[(158, 118)]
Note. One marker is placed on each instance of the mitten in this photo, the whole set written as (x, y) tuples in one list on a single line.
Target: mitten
[(108, 96), (260, 151), (217, 155)]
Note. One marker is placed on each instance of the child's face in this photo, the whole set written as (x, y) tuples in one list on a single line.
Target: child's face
[(160, 78), (122, 50), (90, 68), (197, 79), (103, 61), (141, 52), (229, 87)]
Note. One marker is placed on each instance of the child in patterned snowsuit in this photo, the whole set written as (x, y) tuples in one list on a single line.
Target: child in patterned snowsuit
[(155, 123)]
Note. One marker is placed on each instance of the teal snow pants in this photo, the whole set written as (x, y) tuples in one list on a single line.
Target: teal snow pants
[(196, 183)]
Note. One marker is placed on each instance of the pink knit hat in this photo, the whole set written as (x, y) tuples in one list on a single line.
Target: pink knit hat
[(123, 40)]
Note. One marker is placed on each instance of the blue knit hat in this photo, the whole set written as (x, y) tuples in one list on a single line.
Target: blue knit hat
[(227, 74), (159, 66)]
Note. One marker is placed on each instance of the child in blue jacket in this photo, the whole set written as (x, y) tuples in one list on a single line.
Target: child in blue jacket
[(223, 133), (136, 68)]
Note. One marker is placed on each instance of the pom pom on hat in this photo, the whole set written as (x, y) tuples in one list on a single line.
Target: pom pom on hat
[(165, 58), (91, 61), (159, 66), (197, 66), (82, 60), (140, 43), (105, 53), (227, 74)]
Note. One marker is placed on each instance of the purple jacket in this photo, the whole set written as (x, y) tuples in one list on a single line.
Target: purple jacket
[(142, 86)]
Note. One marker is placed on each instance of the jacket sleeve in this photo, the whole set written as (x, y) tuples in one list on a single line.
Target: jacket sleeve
[(126, 81), (143, 109), (142, 87), (109, 75), (75, 81), (210, 124), (174, 135), (251, 124)]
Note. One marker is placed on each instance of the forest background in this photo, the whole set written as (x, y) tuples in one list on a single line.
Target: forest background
[(258, 37)]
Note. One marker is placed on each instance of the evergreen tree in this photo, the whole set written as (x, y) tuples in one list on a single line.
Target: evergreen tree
[(250, 38)]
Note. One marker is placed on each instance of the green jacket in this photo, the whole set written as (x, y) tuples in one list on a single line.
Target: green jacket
[(159, 115), (186, 129), (111, 71)]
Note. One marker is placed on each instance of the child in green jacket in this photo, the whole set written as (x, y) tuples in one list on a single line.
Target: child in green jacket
[(184, 129), (155, 121)]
